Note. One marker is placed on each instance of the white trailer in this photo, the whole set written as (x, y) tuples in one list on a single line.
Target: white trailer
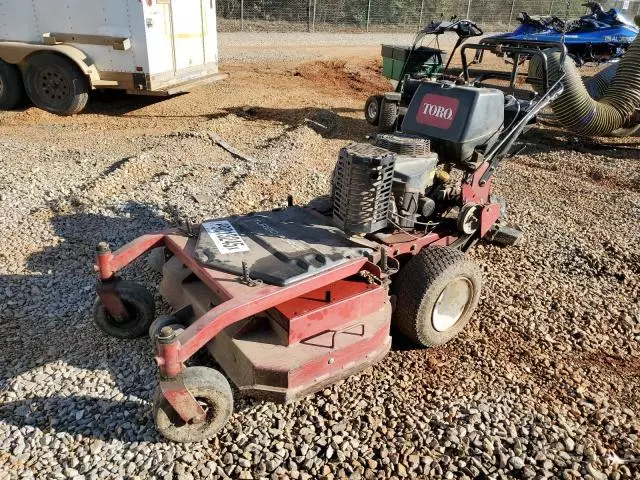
[(58, 50)]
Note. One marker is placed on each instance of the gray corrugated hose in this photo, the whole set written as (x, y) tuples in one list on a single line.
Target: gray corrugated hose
[(609, 112), (598, 84)]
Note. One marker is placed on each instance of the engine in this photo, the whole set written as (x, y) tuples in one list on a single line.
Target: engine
[(375, 186), (403, 179), (457, 119)]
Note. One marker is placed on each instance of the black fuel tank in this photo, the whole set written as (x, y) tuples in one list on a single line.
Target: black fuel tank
[(456, 118)]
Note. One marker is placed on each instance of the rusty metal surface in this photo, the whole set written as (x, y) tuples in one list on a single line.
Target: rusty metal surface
[(401, 243), (490, 214), (328, 307), (108, 263), (107, 293), (472, 191), (181, 399), (240, 301), (260, 365)]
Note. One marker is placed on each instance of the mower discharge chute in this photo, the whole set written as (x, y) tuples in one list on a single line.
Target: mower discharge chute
[(290, 300)]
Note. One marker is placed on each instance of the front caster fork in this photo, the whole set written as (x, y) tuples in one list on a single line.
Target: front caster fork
[(106, 287), (171, 380)]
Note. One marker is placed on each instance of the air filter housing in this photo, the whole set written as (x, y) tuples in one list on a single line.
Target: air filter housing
[(361, 188)]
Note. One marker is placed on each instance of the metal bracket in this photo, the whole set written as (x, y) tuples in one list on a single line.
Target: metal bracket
[(181, 399), (117, 43), (246, 277), (347, 331), (106, 290)]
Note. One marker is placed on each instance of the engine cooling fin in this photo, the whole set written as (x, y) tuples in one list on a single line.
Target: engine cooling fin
[(406, 145)]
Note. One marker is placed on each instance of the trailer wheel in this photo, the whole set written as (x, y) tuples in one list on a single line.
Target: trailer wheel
[(372, 109), (437, 292), (388, 116), (140, 306), (54, 83), (11, 89), (212, 391)]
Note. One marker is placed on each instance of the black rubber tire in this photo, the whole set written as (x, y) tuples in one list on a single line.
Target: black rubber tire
[(418, 287), (388, 116), (164, 321), (11, 89), (212, 390), (56, 84), (372, 115), (140, 306)]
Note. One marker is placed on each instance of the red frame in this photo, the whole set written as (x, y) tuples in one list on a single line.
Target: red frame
[(240, 301)]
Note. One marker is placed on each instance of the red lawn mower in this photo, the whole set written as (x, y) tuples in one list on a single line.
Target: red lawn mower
[(290, 300)]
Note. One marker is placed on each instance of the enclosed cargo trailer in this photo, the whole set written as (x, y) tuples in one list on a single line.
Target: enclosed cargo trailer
[(58, 50)]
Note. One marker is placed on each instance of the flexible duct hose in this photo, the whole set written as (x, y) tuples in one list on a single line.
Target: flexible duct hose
[(598, 84), (577, 110)]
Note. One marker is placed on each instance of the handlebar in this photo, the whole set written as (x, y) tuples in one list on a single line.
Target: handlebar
[(594, 6), (518, 51), (475, 29), (464, 28)]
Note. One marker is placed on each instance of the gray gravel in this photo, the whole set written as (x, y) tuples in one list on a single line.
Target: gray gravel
[(543, 383), (293, 46)]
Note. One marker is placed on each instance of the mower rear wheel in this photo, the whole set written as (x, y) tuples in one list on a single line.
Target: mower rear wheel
[(211, 389), (437, 292), (388, 116), (140, 307), (372, 109)]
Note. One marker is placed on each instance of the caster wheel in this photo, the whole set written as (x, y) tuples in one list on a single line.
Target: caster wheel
[(212, 391), (372, 109), (164, 321), (437, 292), (140, 306)]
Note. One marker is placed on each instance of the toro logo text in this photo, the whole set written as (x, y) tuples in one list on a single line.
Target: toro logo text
[(437, 111)]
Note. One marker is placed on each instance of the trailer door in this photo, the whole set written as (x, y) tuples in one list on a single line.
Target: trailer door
[(189, 31), (159, 37)]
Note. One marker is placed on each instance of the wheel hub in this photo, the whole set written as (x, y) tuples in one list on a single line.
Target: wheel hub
[(53, 85), (451, 304), (373, 110)]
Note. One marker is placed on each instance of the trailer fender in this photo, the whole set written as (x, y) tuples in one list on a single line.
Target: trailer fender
[(18, 52)]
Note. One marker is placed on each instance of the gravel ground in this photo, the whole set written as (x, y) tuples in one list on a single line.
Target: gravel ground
[(296, 46), (543, 383)]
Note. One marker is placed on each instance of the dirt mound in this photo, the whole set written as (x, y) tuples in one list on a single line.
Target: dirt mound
[(363, 79)]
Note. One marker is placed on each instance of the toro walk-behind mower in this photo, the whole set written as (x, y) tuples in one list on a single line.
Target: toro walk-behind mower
[(409, 66), (290, 300)]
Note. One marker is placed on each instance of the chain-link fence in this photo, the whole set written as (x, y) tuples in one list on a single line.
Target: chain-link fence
[(391, 15)]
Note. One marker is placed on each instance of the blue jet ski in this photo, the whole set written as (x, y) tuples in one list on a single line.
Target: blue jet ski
[(601, 36)]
